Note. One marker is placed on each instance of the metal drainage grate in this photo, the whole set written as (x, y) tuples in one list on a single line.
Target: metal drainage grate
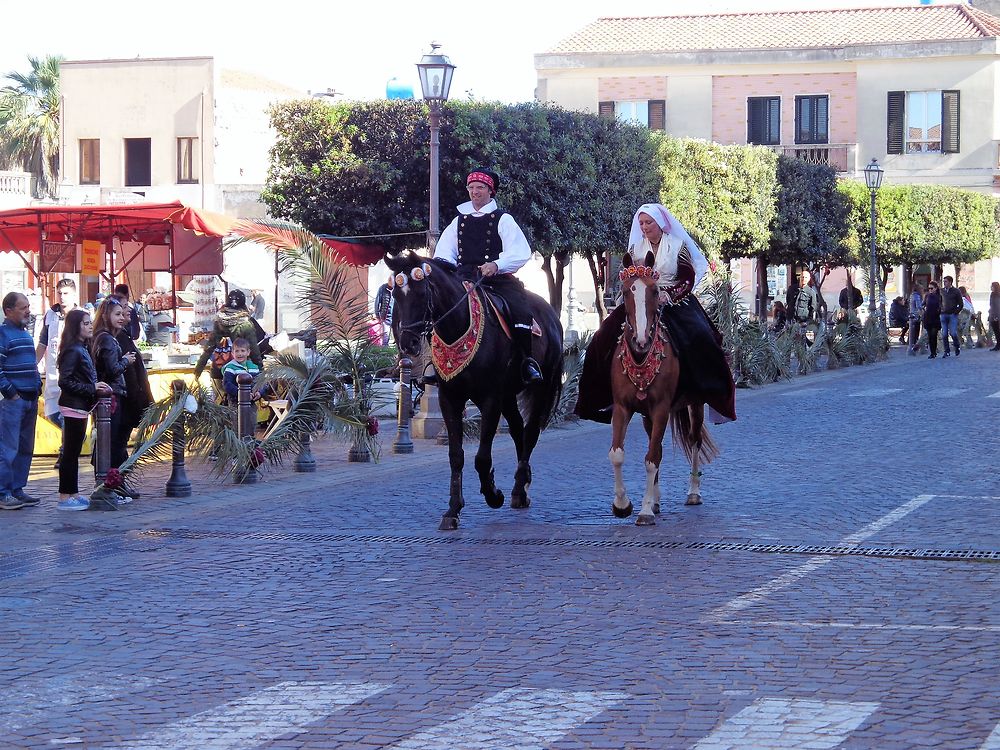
[(917, 553)]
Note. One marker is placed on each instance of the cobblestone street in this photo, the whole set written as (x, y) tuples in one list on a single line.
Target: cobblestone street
[(837, 588)]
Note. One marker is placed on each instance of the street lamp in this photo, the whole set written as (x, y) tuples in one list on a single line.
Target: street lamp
[(873, 179), (435, 81)]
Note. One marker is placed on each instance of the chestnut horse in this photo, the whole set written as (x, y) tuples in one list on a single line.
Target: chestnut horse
[(645, 374)]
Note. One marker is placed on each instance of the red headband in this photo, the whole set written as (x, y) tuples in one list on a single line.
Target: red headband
[(481, 177)]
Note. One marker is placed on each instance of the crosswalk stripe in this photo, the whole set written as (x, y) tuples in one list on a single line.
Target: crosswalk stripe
[(944, 392), (34, 700), (876, 392), (993, 741), (260, 717), (516, 719), (776, 722)]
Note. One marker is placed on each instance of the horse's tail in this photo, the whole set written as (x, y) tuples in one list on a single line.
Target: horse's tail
[(692, 437)]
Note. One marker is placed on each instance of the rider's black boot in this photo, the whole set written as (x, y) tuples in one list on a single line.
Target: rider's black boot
[(531, 373)]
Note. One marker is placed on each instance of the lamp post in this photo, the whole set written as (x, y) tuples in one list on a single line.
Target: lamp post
[(435, 81), (873, 179)]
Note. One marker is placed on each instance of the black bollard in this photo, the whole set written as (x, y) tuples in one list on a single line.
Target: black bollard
[(304, 462), (102, 450), (178, 485), (246, 421), (403, 443)]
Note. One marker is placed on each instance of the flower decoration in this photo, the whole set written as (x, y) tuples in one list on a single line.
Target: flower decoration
[(113, 479), (372, 426), (638, 272), (256, 458), (417, 274)]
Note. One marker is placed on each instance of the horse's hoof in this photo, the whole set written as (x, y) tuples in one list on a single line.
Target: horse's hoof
[(693, 499), (495, 500), (622, 512), (448, 523), (656, 509), (519, 502), (645, 519)]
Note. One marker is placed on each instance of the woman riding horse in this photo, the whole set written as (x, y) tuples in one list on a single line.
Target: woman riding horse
[(705, 377)]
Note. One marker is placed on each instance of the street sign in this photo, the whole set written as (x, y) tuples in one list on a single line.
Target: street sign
[(92, 251)]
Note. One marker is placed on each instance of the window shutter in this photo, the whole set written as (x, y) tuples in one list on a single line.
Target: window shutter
[(822, 132), (950, 122), (755, 121), (606, 110), (657, 114), (773, 121), (895, 122)]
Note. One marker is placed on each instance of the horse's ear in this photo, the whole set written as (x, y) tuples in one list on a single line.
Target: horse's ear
[(392, 261), (627, 260), (650, 258)]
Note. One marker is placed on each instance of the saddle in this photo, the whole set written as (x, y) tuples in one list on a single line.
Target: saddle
[(501, 310)]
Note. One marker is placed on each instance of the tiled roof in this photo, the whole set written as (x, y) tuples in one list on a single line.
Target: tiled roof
[(781, 30)]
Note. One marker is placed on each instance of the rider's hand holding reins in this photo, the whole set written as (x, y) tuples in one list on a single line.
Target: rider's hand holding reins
[(489, 269), (665, 297)]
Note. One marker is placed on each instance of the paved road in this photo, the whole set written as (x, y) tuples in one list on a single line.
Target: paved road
[(838, 588)]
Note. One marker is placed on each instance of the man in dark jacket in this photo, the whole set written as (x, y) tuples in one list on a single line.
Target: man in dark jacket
[(951, 306)]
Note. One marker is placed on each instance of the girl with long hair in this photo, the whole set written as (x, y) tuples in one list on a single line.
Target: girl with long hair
[(78, 386), (111, 365)]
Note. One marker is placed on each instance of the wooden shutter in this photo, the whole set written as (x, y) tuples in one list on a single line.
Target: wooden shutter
[(756, 119), (606, 110), (822, 120), (895, 122), (950, 122), (657, 114)]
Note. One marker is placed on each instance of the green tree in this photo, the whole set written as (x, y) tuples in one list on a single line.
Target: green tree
[(29, 123)]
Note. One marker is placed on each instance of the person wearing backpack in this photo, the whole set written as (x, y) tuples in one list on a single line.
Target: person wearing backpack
[(232, 322), (805, 300)]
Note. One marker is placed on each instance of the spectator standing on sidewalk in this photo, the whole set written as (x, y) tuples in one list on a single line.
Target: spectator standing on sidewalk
[(49, 341), (994, 315), (111, 364), (850, 300), (932, 317), (78, 393), (20, 386), (916, 313), (805, 301), (951, 305), (138, 394)]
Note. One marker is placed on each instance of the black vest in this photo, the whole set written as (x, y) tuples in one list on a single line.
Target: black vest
[(478, 238)]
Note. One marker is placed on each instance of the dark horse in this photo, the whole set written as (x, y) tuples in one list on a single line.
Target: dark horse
[(476, 362), (645, 377)]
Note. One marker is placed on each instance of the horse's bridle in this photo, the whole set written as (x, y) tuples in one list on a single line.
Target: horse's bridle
[(427, 322)]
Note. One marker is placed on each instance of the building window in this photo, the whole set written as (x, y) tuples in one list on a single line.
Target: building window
[(90, 161), (923, 122), (764, 120), (138, 162), (187, 171), (812, 119), (651, 113)]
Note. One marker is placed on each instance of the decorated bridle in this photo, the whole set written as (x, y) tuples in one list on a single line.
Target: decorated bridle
[(639, 272), (428, 321)]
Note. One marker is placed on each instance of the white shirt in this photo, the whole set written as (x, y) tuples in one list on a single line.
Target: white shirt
[(515, 253)]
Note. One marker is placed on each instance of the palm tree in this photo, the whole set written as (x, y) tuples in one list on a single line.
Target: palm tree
[(29, 123)]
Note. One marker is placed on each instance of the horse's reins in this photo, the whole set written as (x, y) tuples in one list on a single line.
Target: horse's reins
[(428, 322)]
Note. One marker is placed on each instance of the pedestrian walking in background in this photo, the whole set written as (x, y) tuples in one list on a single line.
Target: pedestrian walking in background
[(899, 318), (78, 386), (111, 363), (850, 300), (915, 314), (49, 337), (259, 303), (20, 386), (994, 315), (805, 300), (932, 316), (951, 305)]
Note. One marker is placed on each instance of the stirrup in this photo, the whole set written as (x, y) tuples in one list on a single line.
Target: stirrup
[(530, 372)]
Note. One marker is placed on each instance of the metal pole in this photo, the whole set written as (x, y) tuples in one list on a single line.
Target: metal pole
[(246, 421), (304, 462), (403, 443), (178, 485), (432, 232), (874, 268), (102, 421)]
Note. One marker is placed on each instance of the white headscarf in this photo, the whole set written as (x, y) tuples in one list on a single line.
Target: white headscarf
[(673, 229)]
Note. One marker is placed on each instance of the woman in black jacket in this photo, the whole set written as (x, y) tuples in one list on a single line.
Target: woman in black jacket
[(932, 316), (78, 387), (111, 365), (138, 394)]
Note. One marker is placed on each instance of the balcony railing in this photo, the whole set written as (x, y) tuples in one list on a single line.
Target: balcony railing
[(842, 157), (15, 185)]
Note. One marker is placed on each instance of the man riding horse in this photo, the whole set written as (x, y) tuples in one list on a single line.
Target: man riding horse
[(485, 240)]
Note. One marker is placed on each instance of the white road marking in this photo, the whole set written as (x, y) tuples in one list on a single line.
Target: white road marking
[(993, 741), (33, 700), (944, 393), (780, 723), (515, 719), (258, 718), (876, 392), (785, 580), (868, 626), (971, 497), (803, 392), (994, 395)]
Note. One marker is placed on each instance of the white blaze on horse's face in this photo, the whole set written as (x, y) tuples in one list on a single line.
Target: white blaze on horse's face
[(641, 324)]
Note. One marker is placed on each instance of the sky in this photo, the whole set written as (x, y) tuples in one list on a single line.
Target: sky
[(352, 47)]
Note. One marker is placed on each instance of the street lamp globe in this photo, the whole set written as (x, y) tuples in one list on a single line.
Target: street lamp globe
[(873, 175), (435, 72)]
